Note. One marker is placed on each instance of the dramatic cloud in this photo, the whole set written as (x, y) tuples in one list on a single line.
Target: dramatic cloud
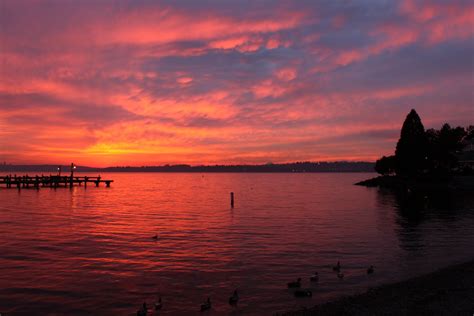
[(153, 82)]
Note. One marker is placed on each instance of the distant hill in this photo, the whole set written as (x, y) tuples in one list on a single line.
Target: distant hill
[(338, 166)]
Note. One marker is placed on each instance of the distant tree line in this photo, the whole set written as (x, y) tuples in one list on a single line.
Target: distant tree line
[(335, 166), (425, 152)]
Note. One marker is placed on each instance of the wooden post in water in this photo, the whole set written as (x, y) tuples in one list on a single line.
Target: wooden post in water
[(232, 199)]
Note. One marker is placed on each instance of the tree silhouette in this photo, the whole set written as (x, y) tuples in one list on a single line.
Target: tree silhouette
[(443, 146), (385, 165), (411, 152)]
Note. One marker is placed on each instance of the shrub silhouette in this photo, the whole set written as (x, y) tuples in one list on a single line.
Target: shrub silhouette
[(385, 165)]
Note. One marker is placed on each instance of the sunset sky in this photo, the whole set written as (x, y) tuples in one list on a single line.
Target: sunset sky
[(107, 83)]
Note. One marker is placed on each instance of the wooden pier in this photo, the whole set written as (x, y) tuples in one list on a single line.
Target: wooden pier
[(51, 181)]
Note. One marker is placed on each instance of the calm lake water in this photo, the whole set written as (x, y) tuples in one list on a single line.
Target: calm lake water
[(90, 251)]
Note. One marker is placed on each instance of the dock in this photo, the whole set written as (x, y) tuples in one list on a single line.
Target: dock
[(51, 181)]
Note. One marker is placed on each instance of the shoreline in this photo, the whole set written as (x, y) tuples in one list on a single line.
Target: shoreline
[(426, 183), (448, 291)]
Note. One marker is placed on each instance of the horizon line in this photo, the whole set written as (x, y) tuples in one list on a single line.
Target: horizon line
[(192, 165)]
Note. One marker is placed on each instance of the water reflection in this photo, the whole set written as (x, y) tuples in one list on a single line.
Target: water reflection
[(415, 209), (91, 252)]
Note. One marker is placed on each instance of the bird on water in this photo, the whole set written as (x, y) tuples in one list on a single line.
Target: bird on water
[(159, 304), (207, 305), (233, 300), (370, 270), (143, 310), (295, 284)]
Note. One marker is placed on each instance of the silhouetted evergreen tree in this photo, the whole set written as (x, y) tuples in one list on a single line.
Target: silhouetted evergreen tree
[(411, 151)]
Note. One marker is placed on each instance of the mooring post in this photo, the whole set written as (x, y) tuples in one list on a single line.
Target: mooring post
[(232, 199)]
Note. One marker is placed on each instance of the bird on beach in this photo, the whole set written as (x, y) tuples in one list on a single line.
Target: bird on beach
[(207, 305), (340, 275), (159, 304), (294, 284), (234, 298), (370, 270), (314, 277), (337, 267)]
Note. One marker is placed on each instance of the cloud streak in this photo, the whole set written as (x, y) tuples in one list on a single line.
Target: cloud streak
[(145, 82)]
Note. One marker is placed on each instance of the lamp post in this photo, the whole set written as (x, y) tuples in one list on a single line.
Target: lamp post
[(59, 171), (73, 166)]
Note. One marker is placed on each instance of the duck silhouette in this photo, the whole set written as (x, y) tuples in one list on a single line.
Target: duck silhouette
[(234, 299), (207, 305), (295, 284), (303, 293), (337, 267), (143, 310), (370, 270), (159, 304)]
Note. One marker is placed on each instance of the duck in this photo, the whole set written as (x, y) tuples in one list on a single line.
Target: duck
[(159, 304), (340, 275), (303, 293), (234, 298), (314, 277), (337, 267), (155, 237), (370, 270), (143, 310), (294, 284), (207, 305)]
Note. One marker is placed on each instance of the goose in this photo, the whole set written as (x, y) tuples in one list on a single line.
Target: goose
[(294, 284), (234, 298), (337, 267), (370, 270), (158, 305), (314, 277), (340, 275), (303, 293), (143, 310), (206, 305)]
